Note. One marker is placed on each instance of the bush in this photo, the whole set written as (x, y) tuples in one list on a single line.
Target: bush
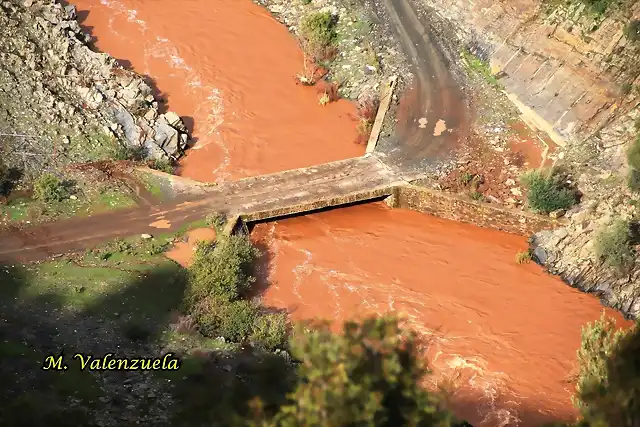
[(613, 245), (217, 221), (222, 269), (599, 6), (546, 193), (237, 320), (609, 377), (233, 320), (371, 374), (632, 30), (270, 331), (318, 34), (163, 165), (48, 188), (633, 154), (634, 180)]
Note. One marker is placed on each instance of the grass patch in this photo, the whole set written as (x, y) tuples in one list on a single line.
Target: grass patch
[(152, 183), (546, 191), (33, 211), (524, 257), (613, 246), (479, 67)]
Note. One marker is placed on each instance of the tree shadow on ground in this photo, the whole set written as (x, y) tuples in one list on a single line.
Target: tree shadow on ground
[(37, 323)]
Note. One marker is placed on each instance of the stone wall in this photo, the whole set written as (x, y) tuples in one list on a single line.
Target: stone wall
[(456, 208), (562, 64), (54, 87)]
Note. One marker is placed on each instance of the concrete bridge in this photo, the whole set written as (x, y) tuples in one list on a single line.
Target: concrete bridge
[(256, 198)]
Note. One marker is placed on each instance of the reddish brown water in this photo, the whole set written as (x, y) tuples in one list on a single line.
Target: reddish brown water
[(230, 69), (503, 336)]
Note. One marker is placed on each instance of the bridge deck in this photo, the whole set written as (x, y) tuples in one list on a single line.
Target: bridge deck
[(255, 198)]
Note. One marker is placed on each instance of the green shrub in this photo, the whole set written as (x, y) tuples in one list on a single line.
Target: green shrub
[(371, 374), (477, 196), (233, 320), (609, 376), (613, 245), (217, 221), (126, 152), (632, 30), (633, 154), (270, 331), (48, 188), (237, 320), (546, 193), (633, 181), (625, 89), (222, 269), (163, 165), (599, 6), (318, 34)]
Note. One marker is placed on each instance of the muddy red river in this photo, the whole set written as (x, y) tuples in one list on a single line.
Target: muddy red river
[(502, 337)]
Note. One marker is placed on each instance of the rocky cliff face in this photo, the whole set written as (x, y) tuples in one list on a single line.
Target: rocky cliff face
[(54, 88), (560, 60)]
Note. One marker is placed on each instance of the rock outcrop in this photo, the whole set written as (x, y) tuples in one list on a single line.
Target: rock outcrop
[(53, 87), (561, 61)]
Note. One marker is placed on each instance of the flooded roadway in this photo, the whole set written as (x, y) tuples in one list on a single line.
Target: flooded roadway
[(503, 336)]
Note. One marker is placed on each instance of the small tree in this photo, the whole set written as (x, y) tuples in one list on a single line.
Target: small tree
[(608, 389), (49, 188), (370, 375), (546, 192)]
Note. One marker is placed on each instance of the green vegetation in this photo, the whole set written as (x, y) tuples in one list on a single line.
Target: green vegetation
[(609, 377), (632, 30), (477, 196), (466, 178), (4, 177), (546, 191), (163, 165), (600, 6), (371, 374), (479, 67), (318, 35), (613, 245), (524, 257), (48, 188), (219, 281), (633, 158), (217, 221), (86, 202)]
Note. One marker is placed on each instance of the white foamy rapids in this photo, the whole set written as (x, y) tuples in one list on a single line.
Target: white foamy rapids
[(462, 373), (119, 8), (212, 107)]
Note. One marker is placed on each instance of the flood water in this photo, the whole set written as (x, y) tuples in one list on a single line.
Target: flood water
[(502, 336)]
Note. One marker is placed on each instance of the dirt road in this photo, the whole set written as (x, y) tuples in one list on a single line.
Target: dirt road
[(433, 117)]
